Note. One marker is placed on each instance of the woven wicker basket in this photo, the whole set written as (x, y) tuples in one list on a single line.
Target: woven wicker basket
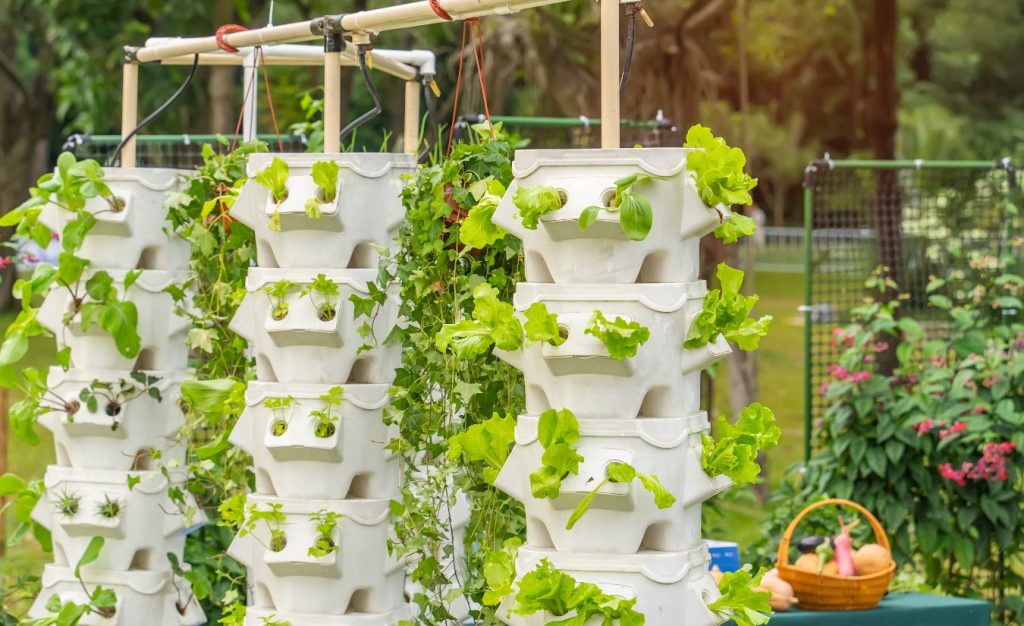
[(835, 593)]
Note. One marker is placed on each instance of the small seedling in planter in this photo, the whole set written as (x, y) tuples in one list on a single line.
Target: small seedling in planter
[(635, 213), (116, 394), (620, 337), (38, 399), (618, 472), (534, 202), (325, 175), (325, 418), (325, 522), (68, 503), (238, 514), (327, 290), (109, 508), (279, 406), (278, 293), (275, 178)]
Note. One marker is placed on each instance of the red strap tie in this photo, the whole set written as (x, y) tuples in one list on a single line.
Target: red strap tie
[(228, 29), (441, 13)]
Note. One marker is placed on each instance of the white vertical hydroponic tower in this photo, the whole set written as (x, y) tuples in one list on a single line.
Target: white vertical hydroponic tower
[(107, 481), (304, 467), (643, 410)]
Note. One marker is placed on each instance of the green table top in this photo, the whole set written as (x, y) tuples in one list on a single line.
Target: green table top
[(903, 609)]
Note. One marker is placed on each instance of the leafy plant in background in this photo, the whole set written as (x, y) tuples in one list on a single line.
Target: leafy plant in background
[(621, 337), (532, 203), (933, 447), (222, 251), (478, 231), (437, 395), (635, 213), (718, 173), (725, 312)]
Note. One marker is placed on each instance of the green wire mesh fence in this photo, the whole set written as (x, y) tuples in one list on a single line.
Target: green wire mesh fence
[(915, 217), (174, 151), (579, 132)]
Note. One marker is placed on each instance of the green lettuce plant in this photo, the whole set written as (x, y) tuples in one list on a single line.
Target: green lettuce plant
[(740, 600), (620, 472), (733, 450), (718, 173), (275, 178), (325, 177), (532, 203), (635, 213), (557, 432), (725, 312), (621, 337)]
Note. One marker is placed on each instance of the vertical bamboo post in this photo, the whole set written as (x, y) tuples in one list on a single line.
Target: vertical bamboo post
[(250, 97), (411, 137), (610, 113), (129, 110), (332, 101)]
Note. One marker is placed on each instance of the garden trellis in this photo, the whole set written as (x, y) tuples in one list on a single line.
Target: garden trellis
[(934, 213), (304, 264)]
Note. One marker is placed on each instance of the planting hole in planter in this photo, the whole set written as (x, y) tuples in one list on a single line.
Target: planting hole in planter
[(324, 430), (142, 560), (326, 312), (563, 331), (278, 427), (607, 196), (278, 541), (113, 409)]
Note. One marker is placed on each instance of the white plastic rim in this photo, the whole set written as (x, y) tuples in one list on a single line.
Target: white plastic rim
[(558, 251), (351, 462), (671, 588), (366, 213), (260, 617), (148, 524), (662, 380), (150, 598), (138, 236), (162, 332), (668, 448), (120, 441), (302, 348), (358, 577)]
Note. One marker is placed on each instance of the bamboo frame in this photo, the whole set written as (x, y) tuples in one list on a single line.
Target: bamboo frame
[(411, 136), (332, 102), (368, 22), (129, 111), (610, 113), (391, 62)]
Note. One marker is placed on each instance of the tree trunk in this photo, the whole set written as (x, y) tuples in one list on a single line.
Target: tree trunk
[(26, 109), (222, 81), (882, 124)]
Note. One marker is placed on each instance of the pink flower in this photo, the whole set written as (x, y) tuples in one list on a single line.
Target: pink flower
[(938, 362), (838, 372), (955, 429), (5, 262), (869, 358), (925, 427), (990, 381), (946, 471), (859, 377), (55, 236), (979, 410), (823, 389), (881, 346)]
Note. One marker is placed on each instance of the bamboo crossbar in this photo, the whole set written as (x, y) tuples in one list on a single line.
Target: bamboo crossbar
[(369, 22)]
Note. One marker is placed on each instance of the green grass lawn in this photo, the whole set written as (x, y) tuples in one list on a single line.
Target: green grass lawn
[(780, 382), (29, 462)]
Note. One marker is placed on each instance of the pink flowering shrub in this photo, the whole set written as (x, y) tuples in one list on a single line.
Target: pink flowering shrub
[(925, 428)]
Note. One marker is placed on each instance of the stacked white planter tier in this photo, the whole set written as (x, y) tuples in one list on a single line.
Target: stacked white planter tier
[(643, 410), (108, 454), (346, 470)]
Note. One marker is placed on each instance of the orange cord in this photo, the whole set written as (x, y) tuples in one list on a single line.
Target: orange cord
[(478, 57), (270, 104), (227, 29)]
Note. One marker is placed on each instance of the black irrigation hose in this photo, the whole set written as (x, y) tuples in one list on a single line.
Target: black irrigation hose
[(115, 157), (631, 11), (372, 113)]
